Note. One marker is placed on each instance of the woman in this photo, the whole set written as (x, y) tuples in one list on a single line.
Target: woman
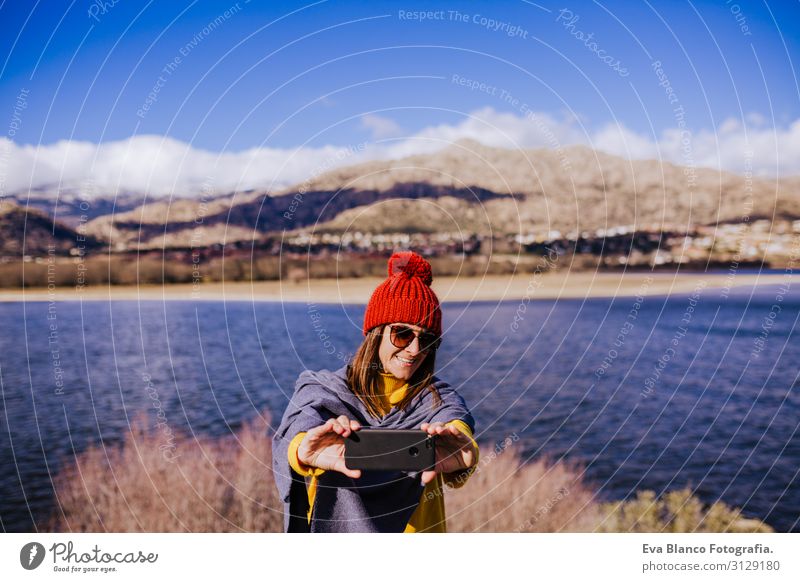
[(388, 384)]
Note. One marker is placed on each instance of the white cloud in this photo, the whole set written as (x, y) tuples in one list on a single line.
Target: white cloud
[(507, 130), (380, 126), (736, 147), (161, 166)]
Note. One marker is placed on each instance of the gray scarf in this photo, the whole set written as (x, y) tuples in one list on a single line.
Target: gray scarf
[(378, 501)]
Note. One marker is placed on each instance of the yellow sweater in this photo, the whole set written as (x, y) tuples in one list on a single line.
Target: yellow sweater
[(429, 515)]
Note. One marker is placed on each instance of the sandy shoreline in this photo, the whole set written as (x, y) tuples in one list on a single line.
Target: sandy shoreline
[(463, 289)]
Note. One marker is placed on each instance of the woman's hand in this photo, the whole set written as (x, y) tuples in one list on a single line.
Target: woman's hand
[(454, 450), (323, 446)]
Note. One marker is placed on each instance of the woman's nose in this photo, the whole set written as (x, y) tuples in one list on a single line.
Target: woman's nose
[(413, 347)]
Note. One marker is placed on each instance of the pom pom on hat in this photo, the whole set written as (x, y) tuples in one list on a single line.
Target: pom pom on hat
[(405, 296), (410, 264)]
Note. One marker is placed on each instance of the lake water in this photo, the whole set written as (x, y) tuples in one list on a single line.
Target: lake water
[(659, 393)]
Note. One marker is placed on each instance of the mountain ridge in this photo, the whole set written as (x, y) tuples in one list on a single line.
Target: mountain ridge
[(491, 190)]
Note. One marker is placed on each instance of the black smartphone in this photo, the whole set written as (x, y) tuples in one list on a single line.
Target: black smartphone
[(390, 450)]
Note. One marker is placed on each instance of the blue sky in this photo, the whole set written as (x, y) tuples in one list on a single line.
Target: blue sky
[(288, 75)]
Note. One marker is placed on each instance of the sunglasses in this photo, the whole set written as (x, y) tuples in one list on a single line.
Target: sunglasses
[(403, 336)]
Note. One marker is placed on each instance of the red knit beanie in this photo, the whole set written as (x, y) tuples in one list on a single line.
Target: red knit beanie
[(405, 296)]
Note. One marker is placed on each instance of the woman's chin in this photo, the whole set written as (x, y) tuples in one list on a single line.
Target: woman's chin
[(401, 372)]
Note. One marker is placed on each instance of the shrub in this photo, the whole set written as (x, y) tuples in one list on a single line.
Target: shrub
[(504, 496), (146, 485), (676, 511), (226, 485)]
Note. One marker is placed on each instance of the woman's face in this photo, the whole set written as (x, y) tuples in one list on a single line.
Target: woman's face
[(401, 362)]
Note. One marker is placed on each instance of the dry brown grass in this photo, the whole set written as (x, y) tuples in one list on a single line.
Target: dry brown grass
[(157, 482), (503, 496), (117, 269)]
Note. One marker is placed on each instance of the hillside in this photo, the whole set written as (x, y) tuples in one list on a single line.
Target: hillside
[(153, 226), (71, 207), (470, 188), (577, 188), (31, 232)]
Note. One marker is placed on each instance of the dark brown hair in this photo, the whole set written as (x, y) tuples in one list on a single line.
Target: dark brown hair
[(363, 374)]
